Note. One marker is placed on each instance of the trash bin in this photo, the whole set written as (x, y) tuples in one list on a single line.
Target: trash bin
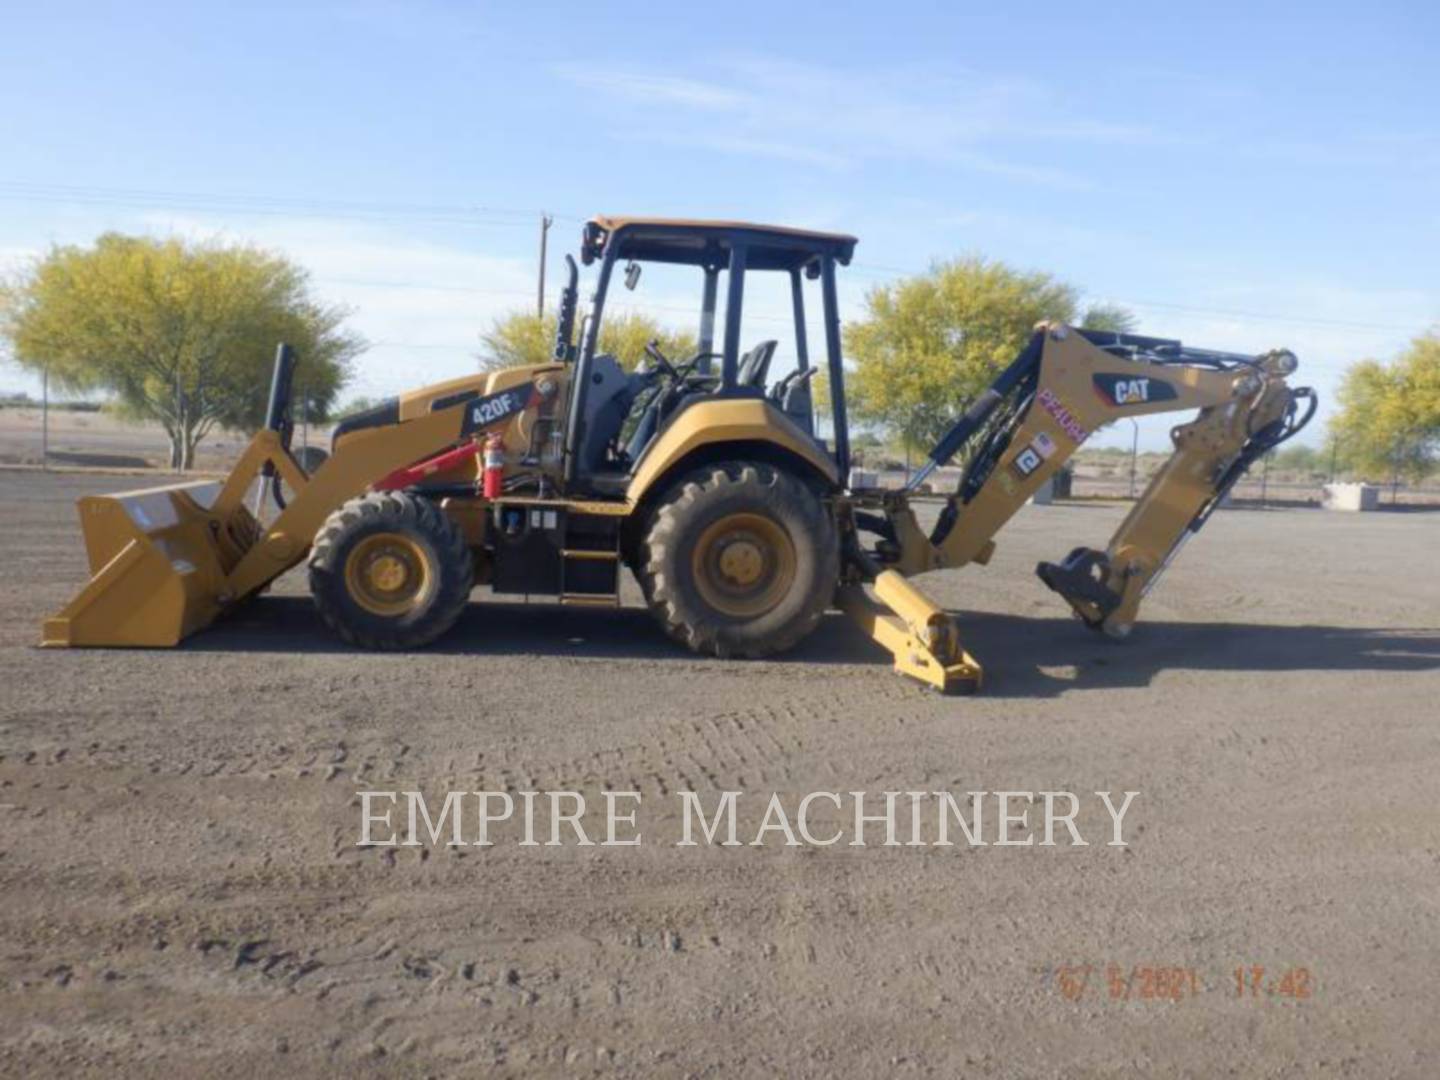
[(1351, 497)]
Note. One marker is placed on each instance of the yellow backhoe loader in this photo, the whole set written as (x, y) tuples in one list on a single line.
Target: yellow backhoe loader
[(705, 477)]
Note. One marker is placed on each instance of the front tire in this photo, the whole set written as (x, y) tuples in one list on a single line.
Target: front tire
[(740, 560), (390, 571)]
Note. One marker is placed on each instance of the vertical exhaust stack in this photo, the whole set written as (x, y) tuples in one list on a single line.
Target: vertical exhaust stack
[(281, 420)]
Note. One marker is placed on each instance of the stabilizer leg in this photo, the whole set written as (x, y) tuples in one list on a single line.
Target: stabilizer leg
[(919, 634)]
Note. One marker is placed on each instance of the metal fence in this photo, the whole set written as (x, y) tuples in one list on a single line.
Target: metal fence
[(85, 437)]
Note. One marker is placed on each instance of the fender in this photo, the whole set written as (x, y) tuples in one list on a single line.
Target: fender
[(727, 420)]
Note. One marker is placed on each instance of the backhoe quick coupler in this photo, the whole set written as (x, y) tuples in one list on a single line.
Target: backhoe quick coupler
[(1080, 578)]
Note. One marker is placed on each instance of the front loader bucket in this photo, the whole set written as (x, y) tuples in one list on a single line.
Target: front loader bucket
[(159, 560)]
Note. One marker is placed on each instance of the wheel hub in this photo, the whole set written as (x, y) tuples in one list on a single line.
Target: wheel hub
[(741, 561), (744, 565), (387, 574)]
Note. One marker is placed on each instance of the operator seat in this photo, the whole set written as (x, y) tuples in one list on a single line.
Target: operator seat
[(792, 394), (755, 365), (607, 403)]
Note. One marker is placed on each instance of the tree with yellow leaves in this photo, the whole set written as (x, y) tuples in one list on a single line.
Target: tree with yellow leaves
[(1389, 419), (521, 339), (928, 344), (182, 334)]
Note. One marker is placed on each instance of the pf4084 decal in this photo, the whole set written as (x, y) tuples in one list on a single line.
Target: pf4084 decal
[(1062, 414), (1132, 389)]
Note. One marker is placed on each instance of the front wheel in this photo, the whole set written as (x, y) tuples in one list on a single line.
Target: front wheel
[(390, 571), (740, 560)]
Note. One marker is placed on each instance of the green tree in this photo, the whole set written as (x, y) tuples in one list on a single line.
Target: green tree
[(1389, 418), (520, 339), (1109, 317), (354, 405), (183, 334), (928, 344)]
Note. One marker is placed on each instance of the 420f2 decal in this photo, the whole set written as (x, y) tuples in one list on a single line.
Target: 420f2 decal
[(486, 411)]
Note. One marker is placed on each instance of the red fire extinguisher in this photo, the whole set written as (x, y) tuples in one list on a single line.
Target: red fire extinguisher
[(493, 473)]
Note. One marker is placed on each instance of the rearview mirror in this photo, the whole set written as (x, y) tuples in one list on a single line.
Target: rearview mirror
[(632, 275)]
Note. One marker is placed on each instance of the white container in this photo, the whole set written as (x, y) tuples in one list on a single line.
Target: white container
[(1351, 497)]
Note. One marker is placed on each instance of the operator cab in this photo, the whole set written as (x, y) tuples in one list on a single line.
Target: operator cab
[(615, 415)]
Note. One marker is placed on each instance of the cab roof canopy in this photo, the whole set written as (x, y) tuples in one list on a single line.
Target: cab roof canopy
[(708, 243)]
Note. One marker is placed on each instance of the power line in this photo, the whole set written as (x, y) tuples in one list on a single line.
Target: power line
[(496, 217), (367, 283), (267, 205), (420, 345), (1252, 316), (1255, 316)]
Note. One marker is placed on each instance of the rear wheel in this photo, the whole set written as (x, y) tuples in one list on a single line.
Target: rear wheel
[(390, 571), (740, 560)]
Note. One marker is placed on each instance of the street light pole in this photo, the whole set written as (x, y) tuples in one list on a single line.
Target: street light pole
[(1134, 452)]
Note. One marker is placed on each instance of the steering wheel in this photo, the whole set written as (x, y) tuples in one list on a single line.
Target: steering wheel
[(680, 372), (652, 350)]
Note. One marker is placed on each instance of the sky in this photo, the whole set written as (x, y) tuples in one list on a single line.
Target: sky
[(1240, 177)]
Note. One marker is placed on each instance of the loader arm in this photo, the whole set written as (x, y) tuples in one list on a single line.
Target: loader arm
[(166, 562), (1065, 385)]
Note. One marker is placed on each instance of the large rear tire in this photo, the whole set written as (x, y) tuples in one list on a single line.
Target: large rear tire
[(740, 560), (390, 571)]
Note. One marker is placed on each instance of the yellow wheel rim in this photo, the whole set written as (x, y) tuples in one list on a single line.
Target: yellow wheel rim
[(388, 574), (744, 565)]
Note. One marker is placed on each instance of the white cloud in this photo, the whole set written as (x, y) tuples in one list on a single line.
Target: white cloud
[(638, 86), (837, 119), (721, 142), (13, 258)]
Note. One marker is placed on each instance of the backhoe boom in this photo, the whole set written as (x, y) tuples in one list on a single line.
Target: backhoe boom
[(1065, 385)]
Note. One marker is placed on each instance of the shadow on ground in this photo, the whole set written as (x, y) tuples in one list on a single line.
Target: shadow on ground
[(98, 460), (1023, 657)]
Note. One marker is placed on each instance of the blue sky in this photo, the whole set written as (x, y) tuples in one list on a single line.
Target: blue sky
[(1241, 177)]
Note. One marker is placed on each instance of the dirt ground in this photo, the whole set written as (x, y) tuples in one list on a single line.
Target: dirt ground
[(181, 894)]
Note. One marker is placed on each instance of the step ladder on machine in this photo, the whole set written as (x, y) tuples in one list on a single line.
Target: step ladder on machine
[(590, 560)]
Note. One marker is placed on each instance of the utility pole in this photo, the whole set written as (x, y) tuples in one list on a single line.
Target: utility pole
[(545, 222), (1134, 452), (45, 417), (1395, 473), (1334, 449)]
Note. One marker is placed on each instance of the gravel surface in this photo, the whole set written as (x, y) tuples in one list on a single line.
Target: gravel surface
[(183, 894)]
